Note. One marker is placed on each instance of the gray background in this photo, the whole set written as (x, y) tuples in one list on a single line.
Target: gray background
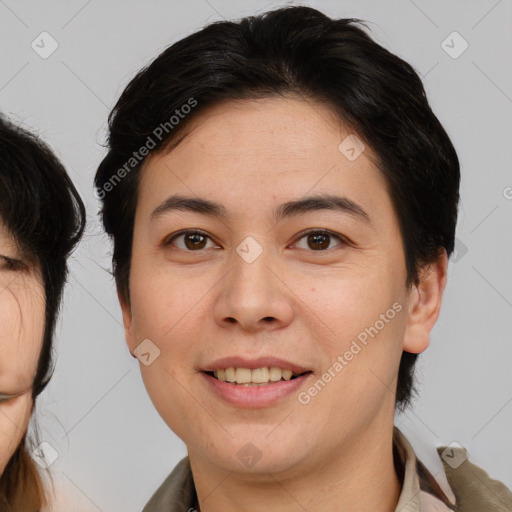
[(114, 450)]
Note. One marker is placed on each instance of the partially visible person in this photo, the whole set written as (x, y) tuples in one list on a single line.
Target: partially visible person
[(42, 218)]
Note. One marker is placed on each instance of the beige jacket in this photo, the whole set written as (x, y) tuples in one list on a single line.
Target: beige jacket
[(471, 488)]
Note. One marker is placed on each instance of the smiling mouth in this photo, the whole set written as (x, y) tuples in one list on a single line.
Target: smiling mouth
[(254, 377)]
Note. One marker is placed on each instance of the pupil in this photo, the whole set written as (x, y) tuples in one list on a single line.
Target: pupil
[(318, 239), (193, 241)]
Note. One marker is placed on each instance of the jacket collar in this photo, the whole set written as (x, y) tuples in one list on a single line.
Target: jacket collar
[(420, 490)]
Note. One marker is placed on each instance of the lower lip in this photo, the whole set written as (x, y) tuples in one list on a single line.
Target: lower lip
[(255, 396)]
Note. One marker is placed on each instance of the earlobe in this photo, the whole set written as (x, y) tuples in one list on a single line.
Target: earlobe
[(425, 304), (127, 323)]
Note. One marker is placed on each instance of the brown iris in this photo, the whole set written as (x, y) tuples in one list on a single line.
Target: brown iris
[(195, 241), (318, 241)]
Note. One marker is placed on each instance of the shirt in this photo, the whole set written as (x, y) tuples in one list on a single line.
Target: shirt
[(472, 490)]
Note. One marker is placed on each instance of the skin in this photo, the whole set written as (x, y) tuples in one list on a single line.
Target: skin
[(22, 317), (293, 302)]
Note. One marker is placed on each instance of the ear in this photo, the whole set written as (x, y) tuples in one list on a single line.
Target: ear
[(127, 323), (425, 304)]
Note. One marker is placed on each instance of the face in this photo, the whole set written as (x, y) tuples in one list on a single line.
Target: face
[(22, 317), (314, 288)]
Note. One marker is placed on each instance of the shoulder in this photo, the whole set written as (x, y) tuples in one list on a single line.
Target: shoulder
[(473, 488)]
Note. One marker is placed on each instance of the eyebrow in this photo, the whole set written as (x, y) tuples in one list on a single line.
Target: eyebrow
[(285, 210)]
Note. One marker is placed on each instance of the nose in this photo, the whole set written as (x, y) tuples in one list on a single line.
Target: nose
[(254, 296)]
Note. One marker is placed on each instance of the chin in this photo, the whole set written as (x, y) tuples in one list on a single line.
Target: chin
[(255, 455)]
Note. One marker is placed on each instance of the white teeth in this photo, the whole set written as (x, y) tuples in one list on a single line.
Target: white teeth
[(287, 374), (230, 374), (243, 375), (275, 374), (260, 375), (246, 376)]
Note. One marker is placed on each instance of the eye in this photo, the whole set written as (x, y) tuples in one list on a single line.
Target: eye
[(5, 398), (189, 240), (11, 264), (195, 240), (320, 240)]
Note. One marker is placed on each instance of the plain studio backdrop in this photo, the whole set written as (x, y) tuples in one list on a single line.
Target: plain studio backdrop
[(109, 444)]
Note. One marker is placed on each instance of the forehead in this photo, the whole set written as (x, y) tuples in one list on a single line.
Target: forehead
[(253, 151), (274, 128)]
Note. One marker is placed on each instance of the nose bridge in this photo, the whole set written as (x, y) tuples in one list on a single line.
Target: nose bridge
[(252, 295), (251, 274), (250, 280)]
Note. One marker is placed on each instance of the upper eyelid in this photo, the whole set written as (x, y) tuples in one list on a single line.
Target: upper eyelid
[(5, 397), (343, 240), (14, 263), (324, 231), (9, 396), (170, 238)]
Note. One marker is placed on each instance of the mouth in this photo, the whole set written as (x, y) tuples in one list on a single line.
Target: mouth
[(254, 383), (254, 377)]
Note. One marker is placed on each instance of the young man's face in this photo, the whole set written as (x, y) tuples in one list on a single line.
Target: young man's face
[(254, 287), (22, 319)]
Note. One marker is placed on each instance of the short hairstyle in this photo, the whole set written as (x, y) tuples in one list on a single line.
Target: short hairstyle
[(45, 215), (292, 51)]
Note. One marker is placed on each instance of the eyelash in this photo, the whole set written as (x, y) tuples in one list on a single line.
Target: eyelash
[(343, 241), (12, 264)]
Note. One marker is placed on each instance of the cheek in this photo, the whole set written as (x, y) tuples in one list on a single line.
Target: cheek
[(21, 335), (14, 418), (10, 316), (167, 312), (167, 308), (346, 305), (359, 326)]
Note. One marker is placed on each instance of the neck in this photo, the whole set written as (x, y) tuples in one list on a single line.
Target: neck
[(358, 476)]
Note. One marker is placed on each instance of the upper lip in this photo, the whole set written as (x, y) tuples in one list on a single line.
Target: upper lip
[(252, 364)]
